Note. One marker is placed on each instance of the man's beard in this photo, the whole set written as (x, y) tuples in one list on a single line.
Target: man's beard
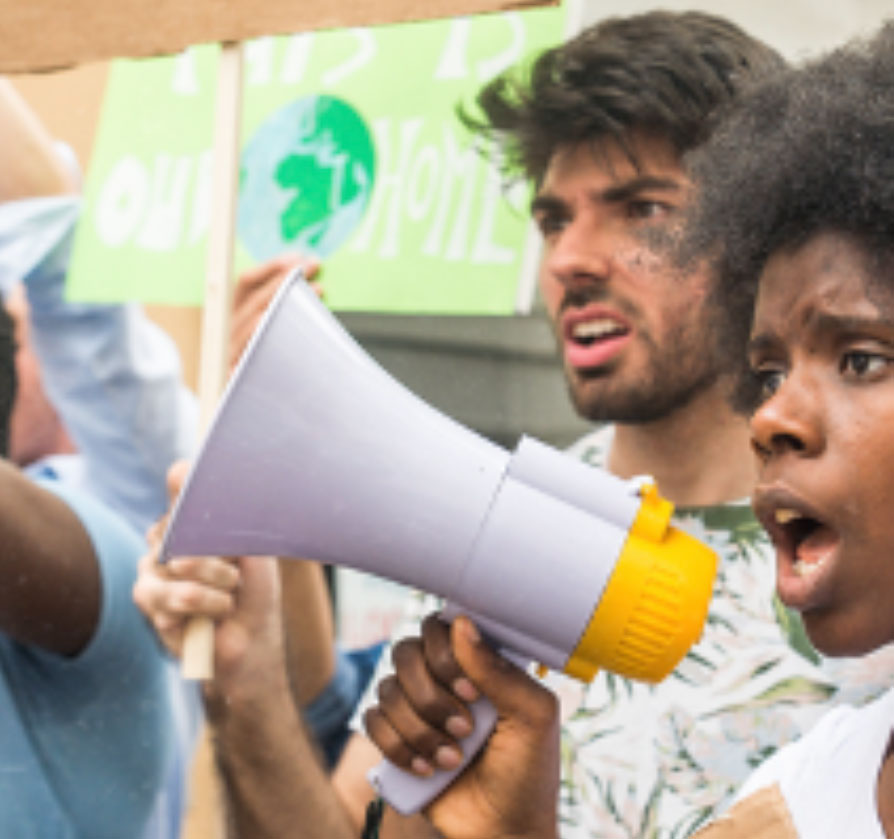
[(675, 376)]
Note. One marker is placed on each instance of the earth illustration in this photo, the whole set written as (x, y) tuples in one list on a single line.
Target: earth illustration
[(306, 178)]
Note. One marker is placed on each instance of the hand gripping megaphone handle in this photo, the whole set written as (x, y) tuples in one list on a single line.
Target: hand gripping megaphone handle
[(408, 793)]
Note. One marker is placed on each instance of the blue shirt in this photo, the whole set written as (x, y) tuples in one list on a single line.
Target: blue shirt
[(87, 742), (114, 377)]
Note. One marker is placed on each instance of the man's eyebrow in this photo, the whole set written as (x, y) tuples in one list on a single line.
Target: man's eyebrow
[(644, 183), (544, 203)]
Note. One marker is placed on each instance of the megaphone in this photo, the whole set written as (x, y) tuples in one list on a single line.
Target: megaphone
[(316, 452)]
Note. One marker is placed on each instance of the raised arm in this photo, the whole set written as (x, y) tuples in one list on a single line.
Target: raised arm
[(29, 165), (50, 592), (113, 375)]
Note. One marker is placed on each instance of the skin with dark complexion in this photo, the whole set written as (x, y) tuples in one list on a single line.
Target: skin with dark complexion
[(822, 347)]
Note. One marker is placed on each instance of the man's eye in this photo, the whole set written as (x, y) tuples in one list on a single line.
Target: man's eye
[(643, 209), (550, 224), (862, 363)]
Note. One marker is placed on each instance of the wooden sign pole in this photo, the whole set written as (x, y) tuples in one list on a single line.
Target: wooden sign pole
[(198, 643)]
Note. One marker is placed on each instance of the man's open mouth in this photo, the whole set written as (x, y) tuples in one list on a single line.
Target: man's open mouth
[(588, 332)]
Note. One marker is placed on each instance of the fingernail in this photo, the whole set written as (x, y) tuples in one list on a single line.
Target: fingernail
[(421, 766), (471, 631), (464, 689), (458, 726), (448, 757)]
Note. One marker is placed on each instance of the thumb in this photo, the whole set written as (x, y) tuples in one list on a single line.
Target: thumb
[(513, 692), (176, 477)]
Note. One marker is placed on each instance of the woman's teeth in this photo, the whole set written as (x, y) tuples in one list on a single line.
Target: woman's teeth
[(807, 569), (809, 540)]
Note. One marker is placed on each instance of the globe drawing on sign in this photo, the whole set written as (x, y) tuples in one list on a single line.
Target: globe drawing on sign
[(306, 178)]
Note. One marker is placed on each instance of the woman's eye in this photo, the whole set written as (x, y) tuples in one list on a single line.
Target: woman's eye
[(769, 381), (862, 363)]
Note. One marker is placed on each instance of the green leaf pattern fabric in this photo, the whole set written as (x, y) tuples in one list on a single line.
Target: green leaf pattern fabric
[(659, 762), (642, 762)]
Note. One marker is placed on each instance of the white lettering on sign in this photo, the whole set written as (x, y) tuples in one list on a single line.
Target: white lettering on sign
[(201, 206), (366, 52), (448, 188), (185, 78), (452, 64), (490, 67), (457, 167), (423, 183), (445, 191), (163, 223), (454, 60), (389, 186), (121, 202), (146, 204), (259, 61), (486, 251), (297, 56)]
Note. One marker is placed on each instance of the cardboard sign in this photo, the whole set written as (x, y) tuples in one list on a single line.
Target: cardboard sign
[(763, 815), (49, 34), (352, 151)]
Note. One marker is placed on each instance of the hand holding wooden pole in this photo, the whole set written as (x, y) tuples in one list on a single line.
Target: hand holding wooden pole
[(197, 661)]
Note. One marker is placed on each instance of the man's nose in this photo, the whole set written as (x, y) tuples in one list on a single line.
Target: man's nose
[(581, 252), (788, 422)]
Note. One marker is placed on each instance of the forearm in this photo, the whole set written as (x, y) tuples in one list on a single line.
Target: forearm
[(309, 628), (29, 164), (50, 587), (273, 781)]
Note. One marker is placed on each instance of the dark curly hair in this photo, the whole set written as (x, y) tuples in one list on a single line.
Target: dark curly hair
[(661, 72), (809, 151), (8, 377)]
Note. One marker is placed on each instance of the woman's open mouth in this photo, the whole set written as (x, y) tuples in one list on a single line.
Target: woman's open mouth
[(806, 547), (806, 540)]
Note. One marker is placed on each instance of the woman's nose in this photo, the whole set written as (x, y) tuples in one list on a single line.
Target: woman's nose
[(788, 421)]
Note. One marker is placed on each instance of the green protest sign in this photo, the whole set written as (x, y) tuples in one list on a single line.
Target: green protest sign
[(351, 150)]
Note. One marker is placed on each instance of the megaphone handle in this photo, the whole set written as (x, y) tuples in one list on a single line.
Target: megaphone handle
[(408, 793)]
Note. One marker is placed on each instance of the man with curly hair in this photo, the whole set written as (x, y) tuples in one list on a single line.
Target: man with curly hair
[(600, 127)]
